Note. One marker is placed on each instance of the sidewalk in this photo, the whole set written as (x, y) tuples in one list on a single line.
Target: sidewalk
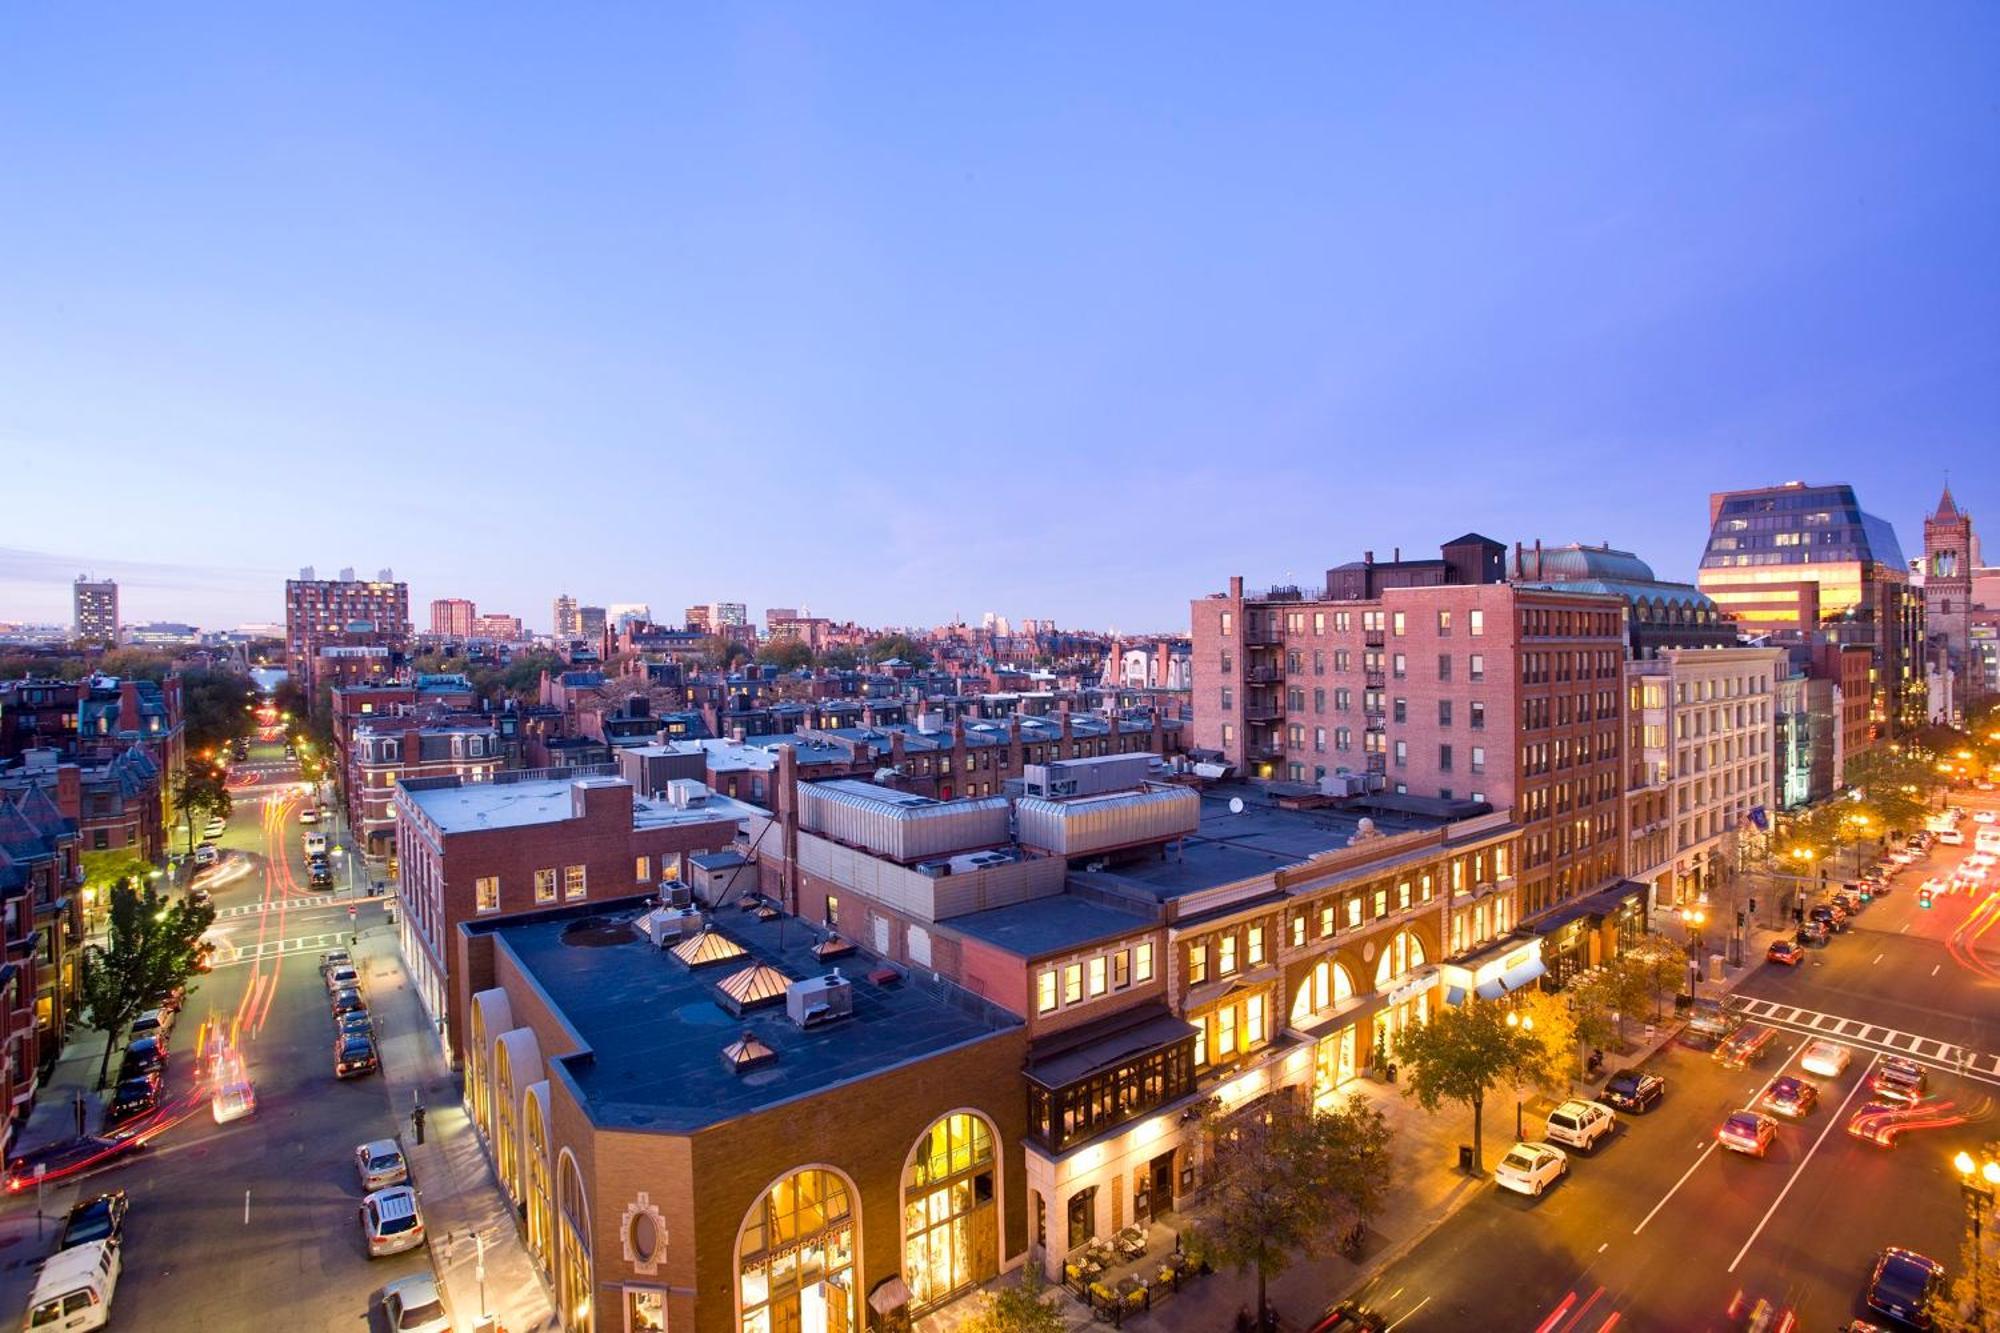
[(461, 1198), (1426, 1190), (24, 1240)]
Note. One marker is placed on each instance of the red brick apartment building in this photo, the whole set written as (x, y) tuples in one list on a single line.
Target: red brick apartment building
[(1438, 680), (344, 612), (529, 840)]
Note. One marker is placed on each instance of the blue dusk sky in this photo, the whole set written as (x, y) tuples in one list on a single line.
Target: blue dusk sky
[(901, 312)]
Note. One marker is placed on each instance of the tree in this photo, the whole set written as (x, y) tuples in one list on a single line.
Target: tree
[(1971, 1293), (1652, 967), (840, 657), (217, 706), (885, 647), (135, 664), (787, 654), (201, 795), (1017, 1308), (1287, 1175), (1462, 1053), (151, 951)]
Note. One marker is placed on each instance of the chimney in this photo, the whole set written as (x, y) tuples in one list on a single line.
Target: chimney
[(1538, 557), (128, 705), (895, 749), (1518, 572), (787, 795), (1367, 557), (1063, 744), (1397, 557), (1014, 759), (412, 748)]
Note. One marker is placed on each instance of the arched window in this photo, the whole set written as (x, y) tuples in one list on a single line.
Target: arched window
[(475, 1083), (506, 1129), (573, 1282), (541, 1210), (1404, 954), (795, 1259), (950, 1224), (1321, 989)]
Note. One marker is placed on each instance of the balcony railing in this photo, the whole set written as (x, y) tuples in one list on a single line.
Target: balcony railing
[(1262, 713), (1262, 635), (1265, 750), (1375, 680), (1373, 638), (1264, 675)]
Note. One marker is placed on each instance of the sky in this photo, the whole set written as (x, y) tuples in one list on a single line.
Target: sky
[(901, 313)]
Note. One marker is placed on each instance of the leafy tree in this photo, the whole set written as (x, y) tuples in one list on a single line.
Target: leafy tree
[(1017, 1308), (42, 666), (722, 653), (135, 664), (217, 706), (1648, 966), (151, 950), (1287, 1177), (201, 795), (884, 647), (840, 657), (787, 654), (1462, 1053)]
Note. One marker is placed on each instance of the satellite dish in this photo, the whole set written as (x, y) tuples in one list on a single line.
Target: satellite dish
[(1236, 805)]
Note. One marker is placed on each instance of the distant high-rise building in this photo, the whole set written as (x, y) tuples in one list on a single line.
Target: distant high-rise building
[(504, 628), (567, 623), (723, 614), (590, 621), (96, 609), (1801, 563), (453, 617), (1950, 555), (621, 614), (345, 613), (698, 617)]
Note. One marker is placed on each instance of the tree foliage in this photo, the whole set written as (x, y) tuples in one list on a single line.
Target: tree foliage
[(1462, 1053), (719, 652), (1649, 966), (1965, 1304), (787, 654), (1288, 1178), (217, 707), (840, 657), (885, 647), (1017, 1308), (200, 796), (150, 950)]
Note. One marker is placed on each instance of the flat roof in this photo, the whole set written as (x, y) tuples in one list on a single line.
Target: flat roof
[(1262, 839), (489, 805), (655, 1032), (1048, 925)]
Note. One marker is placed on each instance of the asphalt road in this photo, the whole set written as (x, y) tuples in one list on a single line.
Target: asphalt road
[(1659, 1229), (252, 1225)]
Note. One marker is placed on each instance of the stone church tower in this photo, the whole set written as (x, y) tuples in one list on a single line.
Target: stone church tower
[(1949, 555)]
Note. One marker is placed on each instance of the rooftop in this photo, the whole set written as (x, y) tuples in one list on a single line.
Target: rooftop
[(656, 1034), (1261, 838), (472, 806), (1048, 925)]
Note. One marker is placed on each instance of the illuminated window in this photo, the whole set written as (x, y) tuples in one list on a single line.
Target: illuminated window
[(1121, 969), (1197, 963), (545, 886), (1045, 991), (950, 1234), (1225, 1032), (486, 893), (795, 1263), (1326, 920), (1255, 951), (642, 869), (1072, 983), (573, 883), (1253, 1021), (1142, 962), (1225, 955), (1097, 976)]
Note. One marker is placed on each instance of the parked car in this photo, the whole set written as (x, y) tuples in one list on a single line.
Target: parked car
[(344, 976), (1746, 1046), (70, 1157), (346, 1000), (381, 1164), (134, 1097), (1788, 953), (1828, 1059), (142, 1057), (1748, 1132), (391, 1221), (355, 1023), (334, 958), (412, 1305), (153, 1023), (1530, 1168), (321, 878), (354, 1056), (1581, 1124), (213, 829), (1902, 1285), (101, 1218), (1814, 934), (1793, 1098), (309, 816), (1634, 1090), (205, 854)]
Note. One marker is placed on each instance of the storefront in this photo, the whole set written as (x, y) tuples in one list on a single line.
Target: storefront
[(1584, 933), (1328, 1014), (1493, 970), (1404, 979)]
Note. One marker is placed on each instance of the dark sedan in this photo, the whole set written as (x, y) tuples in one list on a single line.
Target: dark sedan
[(70, 1157), (101, 1218), (1903, 1284), (1634, 1090), (353, 1057), (147, 1055), (134, 1097)]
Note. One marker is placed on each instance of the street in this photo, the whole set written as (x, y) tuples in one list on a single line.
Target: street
[(1660, 1228), (230, 1223)]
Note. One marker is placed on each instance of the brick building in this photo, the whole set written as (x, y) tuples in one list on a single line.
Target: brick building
[(342, 613), (1437, 680), (498, 627), (523, 841), (452, 617), (96, 610), (720, 1122), (42, 936)]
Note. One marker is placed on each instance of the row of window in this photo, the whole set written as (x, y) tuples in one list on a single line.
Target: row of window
[(1374, 621), (574, 884), (1541, 668), (1554, 624), (1089, 978)]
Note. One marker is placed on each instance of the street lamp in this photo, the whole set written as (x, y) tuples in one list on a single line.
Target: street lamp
[(1976, 1181), (1525, 1022)]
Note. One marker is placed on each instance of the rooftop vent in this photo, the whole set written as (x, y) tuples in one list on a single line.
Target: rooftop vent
[(665, 925), (673, 893), (754, 987), (832, 947), (747, 1053), (708, 947), (818, 1000), (687, 794)]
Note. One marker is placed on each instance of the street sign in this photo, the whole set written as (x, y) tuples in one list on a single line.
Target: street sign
[(351, 911)]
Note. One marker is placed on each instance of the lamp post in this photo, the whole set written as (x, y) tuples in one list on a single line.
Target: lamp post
[(1525, 1022), (1976, 1181), (1694, 917)]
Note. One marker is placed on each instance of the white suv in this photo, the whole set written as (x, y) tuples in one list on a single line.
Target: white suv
[(1581, 1124)]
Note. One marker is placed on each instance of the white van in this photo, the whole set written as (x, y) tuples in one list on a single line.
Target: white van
[(315, 844), (73, 1291), (1987, 839)]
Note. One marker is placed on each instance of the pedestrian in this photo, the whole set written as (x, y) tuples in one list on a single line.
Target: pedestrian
[(417, 1121)]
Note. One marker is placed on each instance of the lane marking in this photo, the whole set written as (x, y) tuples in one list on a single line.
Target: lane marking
[(1935, 967), (1605, 1246), (1675, 1190), (1837, 1118), (1407, 1313), (1876, 959)]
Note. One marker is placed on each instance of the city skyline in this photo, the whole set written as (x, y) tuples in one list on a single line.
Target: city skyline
[(1356, 271)]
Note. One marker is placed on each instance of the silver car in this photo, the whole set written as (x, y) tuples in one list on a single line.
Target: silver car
[(381, 1165)]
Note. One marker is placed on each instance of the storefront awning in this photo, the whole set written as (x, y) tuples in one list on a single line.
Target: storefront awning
[(1596, 907), (1511, 980), (892, 1294)]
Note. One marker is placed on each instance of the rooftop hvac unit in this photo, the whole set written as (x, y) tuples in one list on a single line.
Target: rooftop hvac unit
[(667, 926), (673, 893), (935, 869), (687, 794), (818, 1000)]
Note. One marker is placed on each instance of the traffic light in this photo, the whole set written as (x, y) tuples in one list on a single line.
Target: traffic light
[(1753, 904), (1739, 918), (1923, 898)]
